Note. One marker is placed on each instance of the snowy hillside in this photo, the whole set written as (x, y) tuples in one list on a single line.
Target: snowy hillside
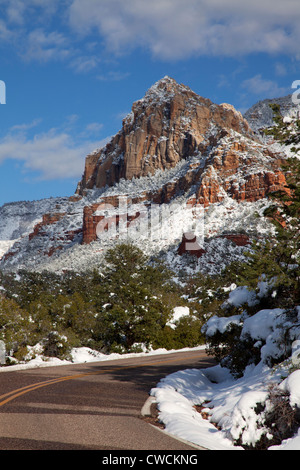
[(17, 220), (209, 180), (260, 115), (158, 229), (162, 235)]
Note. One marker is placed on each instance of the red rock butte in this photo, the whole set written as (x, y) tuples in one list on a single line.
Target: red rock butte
[(192, 151), (171, 124)]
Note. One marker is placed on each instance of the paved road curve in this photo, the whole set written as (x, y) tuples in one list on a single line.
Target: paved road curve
[(92, 406)]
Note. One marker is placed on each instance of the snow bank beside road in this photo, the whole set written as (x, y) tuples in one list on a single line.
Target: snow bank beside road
[(228, 402)]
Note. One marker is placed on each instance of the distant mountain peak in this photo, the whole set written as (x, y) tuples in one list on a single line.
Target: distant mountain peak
[(260, 115)]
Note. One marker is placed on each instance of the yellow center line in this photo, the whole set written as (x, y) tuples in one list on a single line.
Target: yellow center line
[(29, 388)]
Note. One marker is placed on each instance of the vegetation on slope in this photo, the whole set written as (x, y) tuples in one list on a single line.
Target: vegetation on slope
[(124, 307)]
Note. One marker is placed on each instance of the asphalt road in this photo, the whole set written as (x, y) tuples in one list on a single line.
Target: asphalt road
[(92, 406)]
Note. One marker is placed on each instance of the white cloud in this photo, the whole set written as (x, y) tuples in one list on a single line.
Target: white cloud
[(94, 127), (43, 46), (5, 33), (26, 24), (52, 155), (17, 11), (172, 29), (267, 88), (25, 126), (169, 29), (84, 64), (280, 69), (113, 76)]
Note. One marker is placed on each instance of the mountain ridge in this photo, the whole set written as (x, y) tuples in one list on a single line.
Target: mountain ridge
[(176, 152), (260, 115)]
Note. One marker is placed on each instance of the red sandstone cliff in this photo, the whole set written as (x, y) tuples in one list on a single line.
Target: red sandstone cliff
[(172, 123), (210, 150), (169, 124)]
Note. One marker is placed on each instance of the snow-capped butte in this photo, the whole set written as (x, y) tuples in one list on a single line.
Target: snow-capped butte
[(179, 164)]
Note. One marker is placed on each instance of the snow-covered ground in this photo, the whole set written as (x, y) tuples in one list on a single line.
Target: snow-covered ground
[(228, 401)]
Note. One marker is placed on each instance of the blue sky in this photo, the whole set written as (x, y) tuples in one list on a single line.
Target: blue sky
[(73, 68)]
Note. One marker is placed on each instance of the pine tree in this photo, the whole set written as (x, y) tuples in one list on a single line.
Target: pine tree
[(136, 300), (285, 212), (15, 327), (273, 263), (283, 130)]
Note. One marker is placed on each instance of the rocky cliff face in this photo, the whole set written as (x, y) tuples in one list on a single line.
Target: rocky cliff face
[(169, 124), (180, 164), (170, 127)]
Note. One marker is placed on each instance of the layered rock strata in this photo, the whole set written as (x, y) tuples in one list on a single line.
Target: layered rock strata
[(207, 153), (172, 124), (169, 124)]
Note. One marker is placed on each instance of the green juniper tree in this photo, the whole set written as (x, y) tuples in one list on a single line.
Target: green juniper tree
[(136, 300), (15, 327), (285, 214), (286, 131)]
